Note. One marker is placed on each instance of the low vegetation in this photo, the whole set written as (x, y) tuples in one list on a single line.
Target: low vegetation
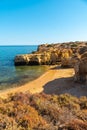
[(43, 112)]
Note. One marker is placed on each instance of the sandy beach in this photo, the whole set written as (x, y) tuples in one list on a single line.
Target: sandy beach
[(54, 81)]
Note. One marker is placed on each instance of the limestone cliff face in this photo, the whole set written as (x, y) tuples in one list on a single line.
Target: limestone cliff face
[(49, 54), (32, 59), (22, 59), (72, 54)]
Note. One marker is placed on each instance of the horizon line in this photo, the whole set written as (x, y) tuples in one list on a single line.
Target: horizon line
[(41, 43)]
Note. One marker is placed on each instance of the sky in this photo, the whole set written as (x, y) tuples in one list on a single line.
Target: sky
[(30, 22)]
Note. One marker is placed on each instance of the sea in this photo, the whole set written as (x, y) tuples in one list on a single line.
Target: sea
[(14, 76)]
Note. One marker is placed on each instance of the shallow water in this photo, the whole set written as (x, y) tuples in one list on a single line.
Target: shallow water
[(11, 76)]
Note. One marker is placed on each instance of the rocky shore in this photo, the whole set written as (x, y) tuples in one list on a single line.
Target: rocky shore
[(49, 54), (71, 54), (46, 54)]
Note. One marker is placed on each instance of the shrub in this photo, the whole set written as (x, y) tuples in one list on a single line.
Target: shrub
[(43, 112)]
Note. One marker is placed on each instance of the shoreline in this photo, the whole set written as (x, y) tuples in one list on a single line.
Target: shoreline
[(54, 81), (35, 86)]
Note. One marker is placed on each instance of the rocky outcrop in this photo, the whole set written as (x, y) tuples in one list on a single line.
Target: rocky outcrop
[(45, 58), (22, 59), (81, 69), (33, 59), (49, 54)]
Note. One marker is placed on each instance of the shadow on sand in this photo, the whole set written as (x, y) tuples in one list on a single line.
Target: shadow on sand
[(65, 85)]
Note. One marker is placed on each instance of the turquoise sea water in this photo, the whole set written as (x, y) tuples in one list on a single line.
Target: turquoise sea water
[(11, 76)]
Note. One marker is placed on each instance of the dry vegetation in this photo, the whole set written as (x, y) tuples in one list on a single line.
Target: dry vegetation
[(43, 112)]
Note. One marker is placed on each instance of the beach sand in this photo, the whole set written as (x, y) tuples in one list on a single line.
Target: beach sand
[(54, 81)]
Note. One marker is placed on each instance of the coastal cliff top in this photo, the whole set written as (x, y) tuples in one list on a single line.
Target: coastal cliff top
[(62, 45)]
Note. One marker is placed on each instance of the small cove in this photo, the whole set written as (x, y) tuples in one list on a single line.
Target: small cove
[(11, 76)]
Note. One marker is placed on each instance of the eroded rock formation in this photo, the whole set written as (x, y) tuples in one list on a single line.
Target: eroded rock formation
[(49, 54), (72, 54), (81, 69)]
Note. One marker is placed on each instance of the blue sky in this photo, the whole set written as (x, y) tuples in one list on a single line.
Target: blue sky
[(42, 21)]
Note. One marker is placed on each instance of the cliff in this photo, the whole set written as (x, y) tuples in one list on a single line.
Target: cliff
[(71, 54), (49, 54)]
